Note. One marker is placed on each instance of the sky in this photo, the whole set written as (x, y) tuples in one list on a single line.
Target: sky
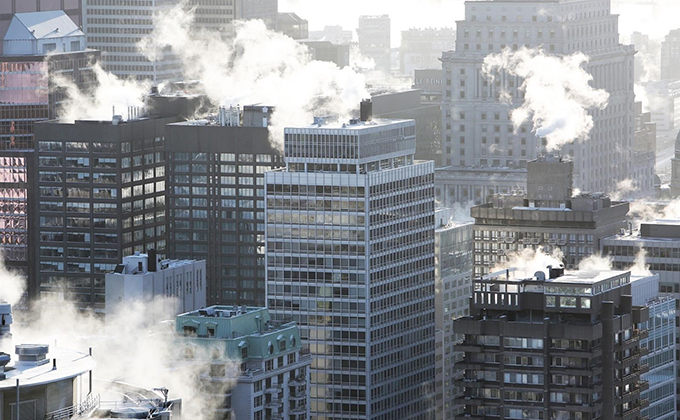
[(654, 21), (404, 14)]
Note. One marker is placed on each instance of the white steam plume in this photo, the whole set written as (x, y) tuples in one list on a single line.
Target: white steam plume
[(257, 66), (531, 260), (99, 102), (128, 347), (12, 284), (624, 189), (557, 93)]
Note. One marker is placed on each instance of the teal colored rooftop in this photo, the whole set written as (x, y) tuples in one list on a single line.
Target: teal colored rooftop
[(239, 332)]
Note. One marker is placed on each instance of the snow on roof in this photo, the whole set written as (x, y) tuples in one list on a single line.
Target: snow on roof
[(42, 25)]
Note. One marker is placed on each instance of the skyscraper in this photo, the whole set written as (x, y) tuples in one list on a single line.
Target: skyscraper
[(375, 39), (478, 133), (116, 27), (670, 56), (216, 190), (101, 196), (350, 257)]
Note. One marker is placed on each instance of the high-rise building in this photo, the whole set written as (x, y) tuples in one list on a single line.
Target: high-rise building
[(8, 8), (292, 25), (115, 28), (644, 152), (266, 10), (660, 242), (101, 196), (327, 51), (422, 48), (453, 277), (350, 257), (38, 46), (658, 348), (547, 216), (375, 40), (670, 56), (273, 377), (478, 133), (216, 192), (552, 345), (675, 169)]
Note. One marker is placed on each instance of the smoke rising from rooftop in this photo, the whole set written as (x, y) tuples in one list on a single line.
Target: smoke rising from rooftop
[(257, 66), (557, 93)]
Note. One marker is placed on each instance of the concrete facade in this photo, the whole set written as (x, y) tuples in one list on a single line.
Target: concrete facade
[(272, 381), (477, 130), (179, 285)]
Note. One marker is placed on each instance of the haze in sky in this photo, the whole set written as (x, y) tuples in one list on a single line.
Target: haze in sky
[(404, 14), (655, 21)]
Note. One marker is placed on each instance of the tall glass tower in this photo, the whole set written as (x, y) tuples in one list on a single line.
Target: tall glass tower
[(350, 257)]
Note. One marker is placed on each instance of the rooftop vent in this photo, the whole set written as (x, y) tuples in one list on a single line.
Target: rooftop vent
[(5, 319), (4, 360), (32, 354), (555, 272)]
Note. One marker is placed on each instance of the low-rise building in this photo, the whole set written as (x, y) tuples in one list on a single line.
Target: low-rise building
[(273, 368), (145, 277)]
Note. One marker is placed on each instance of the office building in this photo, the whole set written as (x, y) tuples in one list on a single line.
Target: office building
[(670, 56), (28, 95), (327, 51), (332, 33), (350, 257), (553, 344), (644, 153), (266, 10), (167, 287), (548, 216), (215, 170), (292, 25), (453, 277), (73, 9), (422, 48), (675, 169), (663, 101), (658, 347), (273, 376), (101, 196), (375, 40), (408, 104), (660, 241), (213, 15), (115, 28), (477, 129)]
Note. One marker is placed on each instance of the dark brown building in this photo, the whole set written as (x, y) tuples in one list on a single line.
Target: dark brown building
[(553, 345)]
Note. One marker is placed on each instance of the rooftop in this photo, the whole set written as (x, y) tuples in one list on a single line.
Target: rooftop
[(41, 25), (70, 363), (326, 123)]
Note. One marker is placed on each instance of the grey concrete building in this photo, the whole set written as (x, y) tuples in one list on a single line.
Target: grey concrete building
[(453, 285), (327, 51), (477, 130), (670, 56), (644, 154), (549, 216), (292, 25), (421, 48), (375, 40), (215, 172), (553, 345), (350, 257)]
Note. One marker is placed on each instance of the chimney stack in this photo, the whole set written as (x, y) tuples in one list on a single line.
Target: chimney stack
[(366, 110)]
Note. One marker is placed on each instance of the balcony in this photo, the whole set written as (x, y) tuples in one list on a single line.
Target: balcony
[(298, 381), (273, 389)]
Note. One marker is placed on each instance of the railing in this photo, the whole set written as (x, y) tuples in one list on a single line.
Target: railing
[(90, 404)]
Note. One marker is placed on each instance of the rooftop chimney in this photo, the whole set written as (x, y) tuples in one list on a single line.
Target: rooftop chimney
[(366, 110), (152, 260)]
